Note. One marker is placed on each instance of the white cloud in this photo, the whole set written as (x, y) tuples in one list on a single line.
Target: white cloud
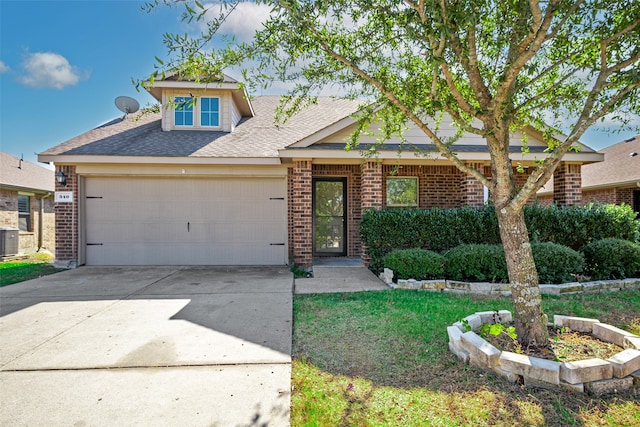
[(49, 70), (3, 67), (244, 21)]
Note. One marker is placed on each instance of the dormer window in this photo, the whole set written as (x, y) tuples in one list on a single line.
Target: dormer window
[(202, 112)]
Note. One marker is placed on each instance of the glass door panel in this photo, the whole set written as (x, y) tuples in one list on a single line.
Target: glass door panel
[(329, 216)]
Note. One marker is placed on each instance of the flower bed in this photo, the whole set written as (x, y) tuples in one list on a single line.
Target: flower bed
[(596, 376)]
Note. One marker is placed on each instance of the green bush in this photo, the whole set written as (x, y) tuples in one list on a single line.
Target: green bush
[(479, 263), (612, 259), (416, 264), (556, 263)]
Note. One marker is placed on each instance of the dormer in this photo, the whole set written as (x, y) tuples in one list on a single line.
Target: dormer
[(191, 105)]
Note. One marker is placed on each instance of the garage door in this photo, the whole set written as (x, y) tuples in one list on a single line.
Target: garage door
[(185, 221)]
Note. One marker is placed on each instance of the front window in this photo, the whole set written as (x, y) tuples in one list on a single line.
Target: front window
[(402, 191), (24, 213), (183, 111), (210, 112)]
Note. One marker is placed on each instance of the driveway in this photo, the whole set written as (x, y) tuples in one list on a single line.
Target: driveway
[(161, 346)]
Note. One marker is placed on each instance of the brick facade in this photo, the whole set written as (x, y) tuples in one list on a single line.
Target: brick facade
[(67, 220), (40, 235), (471, 190), (567, 185), (301, 213)]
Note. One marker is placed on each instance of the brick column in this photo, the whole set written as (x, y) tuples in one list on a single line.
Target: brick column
[(567, 184), (371, 194), (67, 221), (472, 190), (302, 214)]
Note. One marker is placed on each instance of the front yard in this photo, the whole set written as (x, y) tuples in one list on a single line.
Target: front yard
[(381, 358), (18, 271)]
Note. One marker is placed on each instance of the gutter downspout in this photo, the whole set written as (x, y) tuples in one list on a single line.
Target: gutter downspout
[(41, 220)]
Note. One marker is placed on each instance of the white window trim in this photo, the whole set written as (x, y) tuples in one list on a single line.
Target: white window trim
[(394, 205), (196, 113)]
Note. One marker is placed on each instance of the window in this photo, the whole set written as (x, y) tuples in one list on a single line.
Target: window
[(24, 213), (402, 191), (210, 112), (183, 111)]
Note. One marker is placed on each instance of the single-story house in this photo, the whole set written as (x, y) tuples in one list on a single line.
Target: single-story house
[(26, 203), (214, 181), (615, 180)]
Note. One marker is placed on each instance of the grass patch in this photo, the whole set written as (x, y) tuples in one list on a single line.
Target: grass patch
[(19, 271), (382, 358)]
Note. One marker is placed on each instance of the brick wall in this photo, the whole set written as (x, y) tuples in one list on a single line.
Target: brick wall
[(567, 185), (29, 240), (472, 190), (301, 211), (67, 219), (438, 186)]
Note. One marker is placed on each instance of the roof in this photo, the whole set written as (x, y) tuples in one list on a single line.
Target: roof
[(141, 135), (22, 175), (620, 166)]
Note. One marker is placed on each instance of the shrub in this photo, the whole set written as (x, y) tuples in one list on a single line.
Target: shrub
[(476, 263), (416, 264), (612, 259), (556, 263)]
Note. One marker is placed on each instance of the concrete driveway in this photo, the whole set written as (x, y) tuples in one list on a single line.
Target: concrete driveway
[(142, 346)]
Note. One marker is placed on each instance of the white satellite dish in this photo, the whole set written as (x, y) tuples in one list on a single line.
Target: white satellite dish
[(127, 105)]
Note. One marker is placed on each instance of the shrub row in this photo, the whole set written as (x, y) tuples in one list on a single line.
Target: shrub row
[(442, 229), (604, 259)]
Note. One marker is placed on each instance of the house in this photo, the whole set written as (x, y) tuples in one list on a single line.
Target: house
[(26, 203), (213, 181), (616, 180)]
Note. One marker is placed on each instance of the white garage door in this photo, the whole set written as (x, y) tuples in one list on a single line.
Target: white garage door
[(185, 221)]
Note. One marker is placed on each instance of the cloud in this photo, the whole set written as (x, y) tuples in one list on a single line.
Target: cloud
[(3, 67), (244, 21), (49, 70)]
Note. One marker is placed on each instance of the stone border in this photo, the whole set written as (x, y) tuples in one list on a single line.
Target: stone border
[(503, 289), (595, 376)]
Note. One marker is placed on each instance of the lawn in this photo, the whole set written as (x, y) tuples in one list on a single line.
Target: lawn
[(381, 359), (19, 271)]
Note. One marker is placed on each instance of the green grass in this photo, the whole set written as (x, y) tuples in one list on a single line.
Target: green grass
[(381, 358), (19, 271)]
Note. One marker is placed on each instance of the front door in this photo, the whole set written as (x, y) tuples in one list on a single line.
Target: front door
[(329, 216)]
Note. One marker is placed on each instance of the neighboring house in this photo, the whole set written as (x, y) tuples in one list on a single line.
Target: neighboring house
[(26, 203), (215, 182), (615, 180)]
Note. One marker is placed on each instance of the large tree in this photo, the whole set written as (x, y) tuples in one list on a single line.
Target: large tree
[(492, 66)]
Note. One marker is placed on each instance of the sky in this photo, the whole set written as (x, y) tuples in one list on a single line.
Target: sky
[(63, 63)]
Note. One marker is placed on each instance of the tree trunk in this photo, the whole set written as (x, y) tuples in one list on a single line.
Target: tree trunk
[(530, 321)]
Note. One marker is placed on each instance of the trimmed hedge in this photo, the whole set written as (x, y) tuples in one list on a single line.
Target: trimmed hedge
[(416, 264), (612, 259), (442, 229), (476, 263), (556, 263)]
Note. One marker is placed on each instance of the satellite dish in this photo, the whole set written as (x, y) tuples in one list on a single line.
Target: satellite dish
[(127, 105)]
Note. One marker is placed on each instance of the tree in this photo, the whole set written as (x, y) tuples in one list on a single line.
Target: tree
[(493, 66)]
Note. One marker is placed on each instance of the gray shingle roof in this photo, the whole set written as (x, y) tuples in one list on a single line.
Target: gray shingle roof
[(25, 175), (255, 136), (619, 165)]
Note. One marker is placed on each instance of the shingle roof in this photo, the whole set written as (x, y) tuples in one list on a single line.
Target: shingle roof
[(424, 148), (256, 136), (619, 165), (24, 175)]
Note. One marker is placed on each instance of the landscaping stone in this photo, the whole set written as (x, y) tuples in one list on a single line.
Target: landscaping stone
[(480, 351), (613, 385), (510, 376), (631, 283), (387, 276), (580, 324), (636, 378), (564, 289), (573, 387), (631, 342), (455, 335), (610, 333), (582, 371), (480, 288), (533, 368), (434, 285), (461, 286), (625, 362), (474, 321), (489, 317)]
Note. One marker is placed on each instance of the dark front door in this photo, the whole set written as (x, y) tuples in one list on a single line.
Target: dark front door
[(636, 202), (329, 216)]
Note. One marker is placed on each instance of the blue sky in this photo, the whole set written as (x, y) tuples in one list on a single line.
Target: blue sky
[(62, 64)]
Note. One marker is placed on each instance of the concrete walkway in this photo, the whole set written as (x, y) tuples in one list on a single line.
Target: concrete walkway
[(337, 278), (161, 346)]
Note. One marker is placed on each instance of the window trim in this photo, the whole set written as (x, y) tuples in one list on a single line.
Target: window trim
[(27, 215), (196, 111), (401, 205)]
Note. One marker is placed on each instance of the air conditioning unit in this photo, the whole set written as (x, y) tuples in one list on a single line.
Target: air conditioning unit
[(9, 241)]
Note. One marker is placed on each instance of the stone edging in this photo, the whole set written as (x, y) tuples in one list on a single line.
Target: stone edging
[(503, 289), (596, 376)]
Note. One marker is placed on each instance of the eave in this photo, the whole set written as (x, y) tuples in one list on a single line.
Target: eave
[(147, 160)]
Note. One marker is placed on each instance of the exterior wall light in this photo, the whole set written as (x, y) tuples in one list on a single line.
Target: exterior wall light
[(61, 178)]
